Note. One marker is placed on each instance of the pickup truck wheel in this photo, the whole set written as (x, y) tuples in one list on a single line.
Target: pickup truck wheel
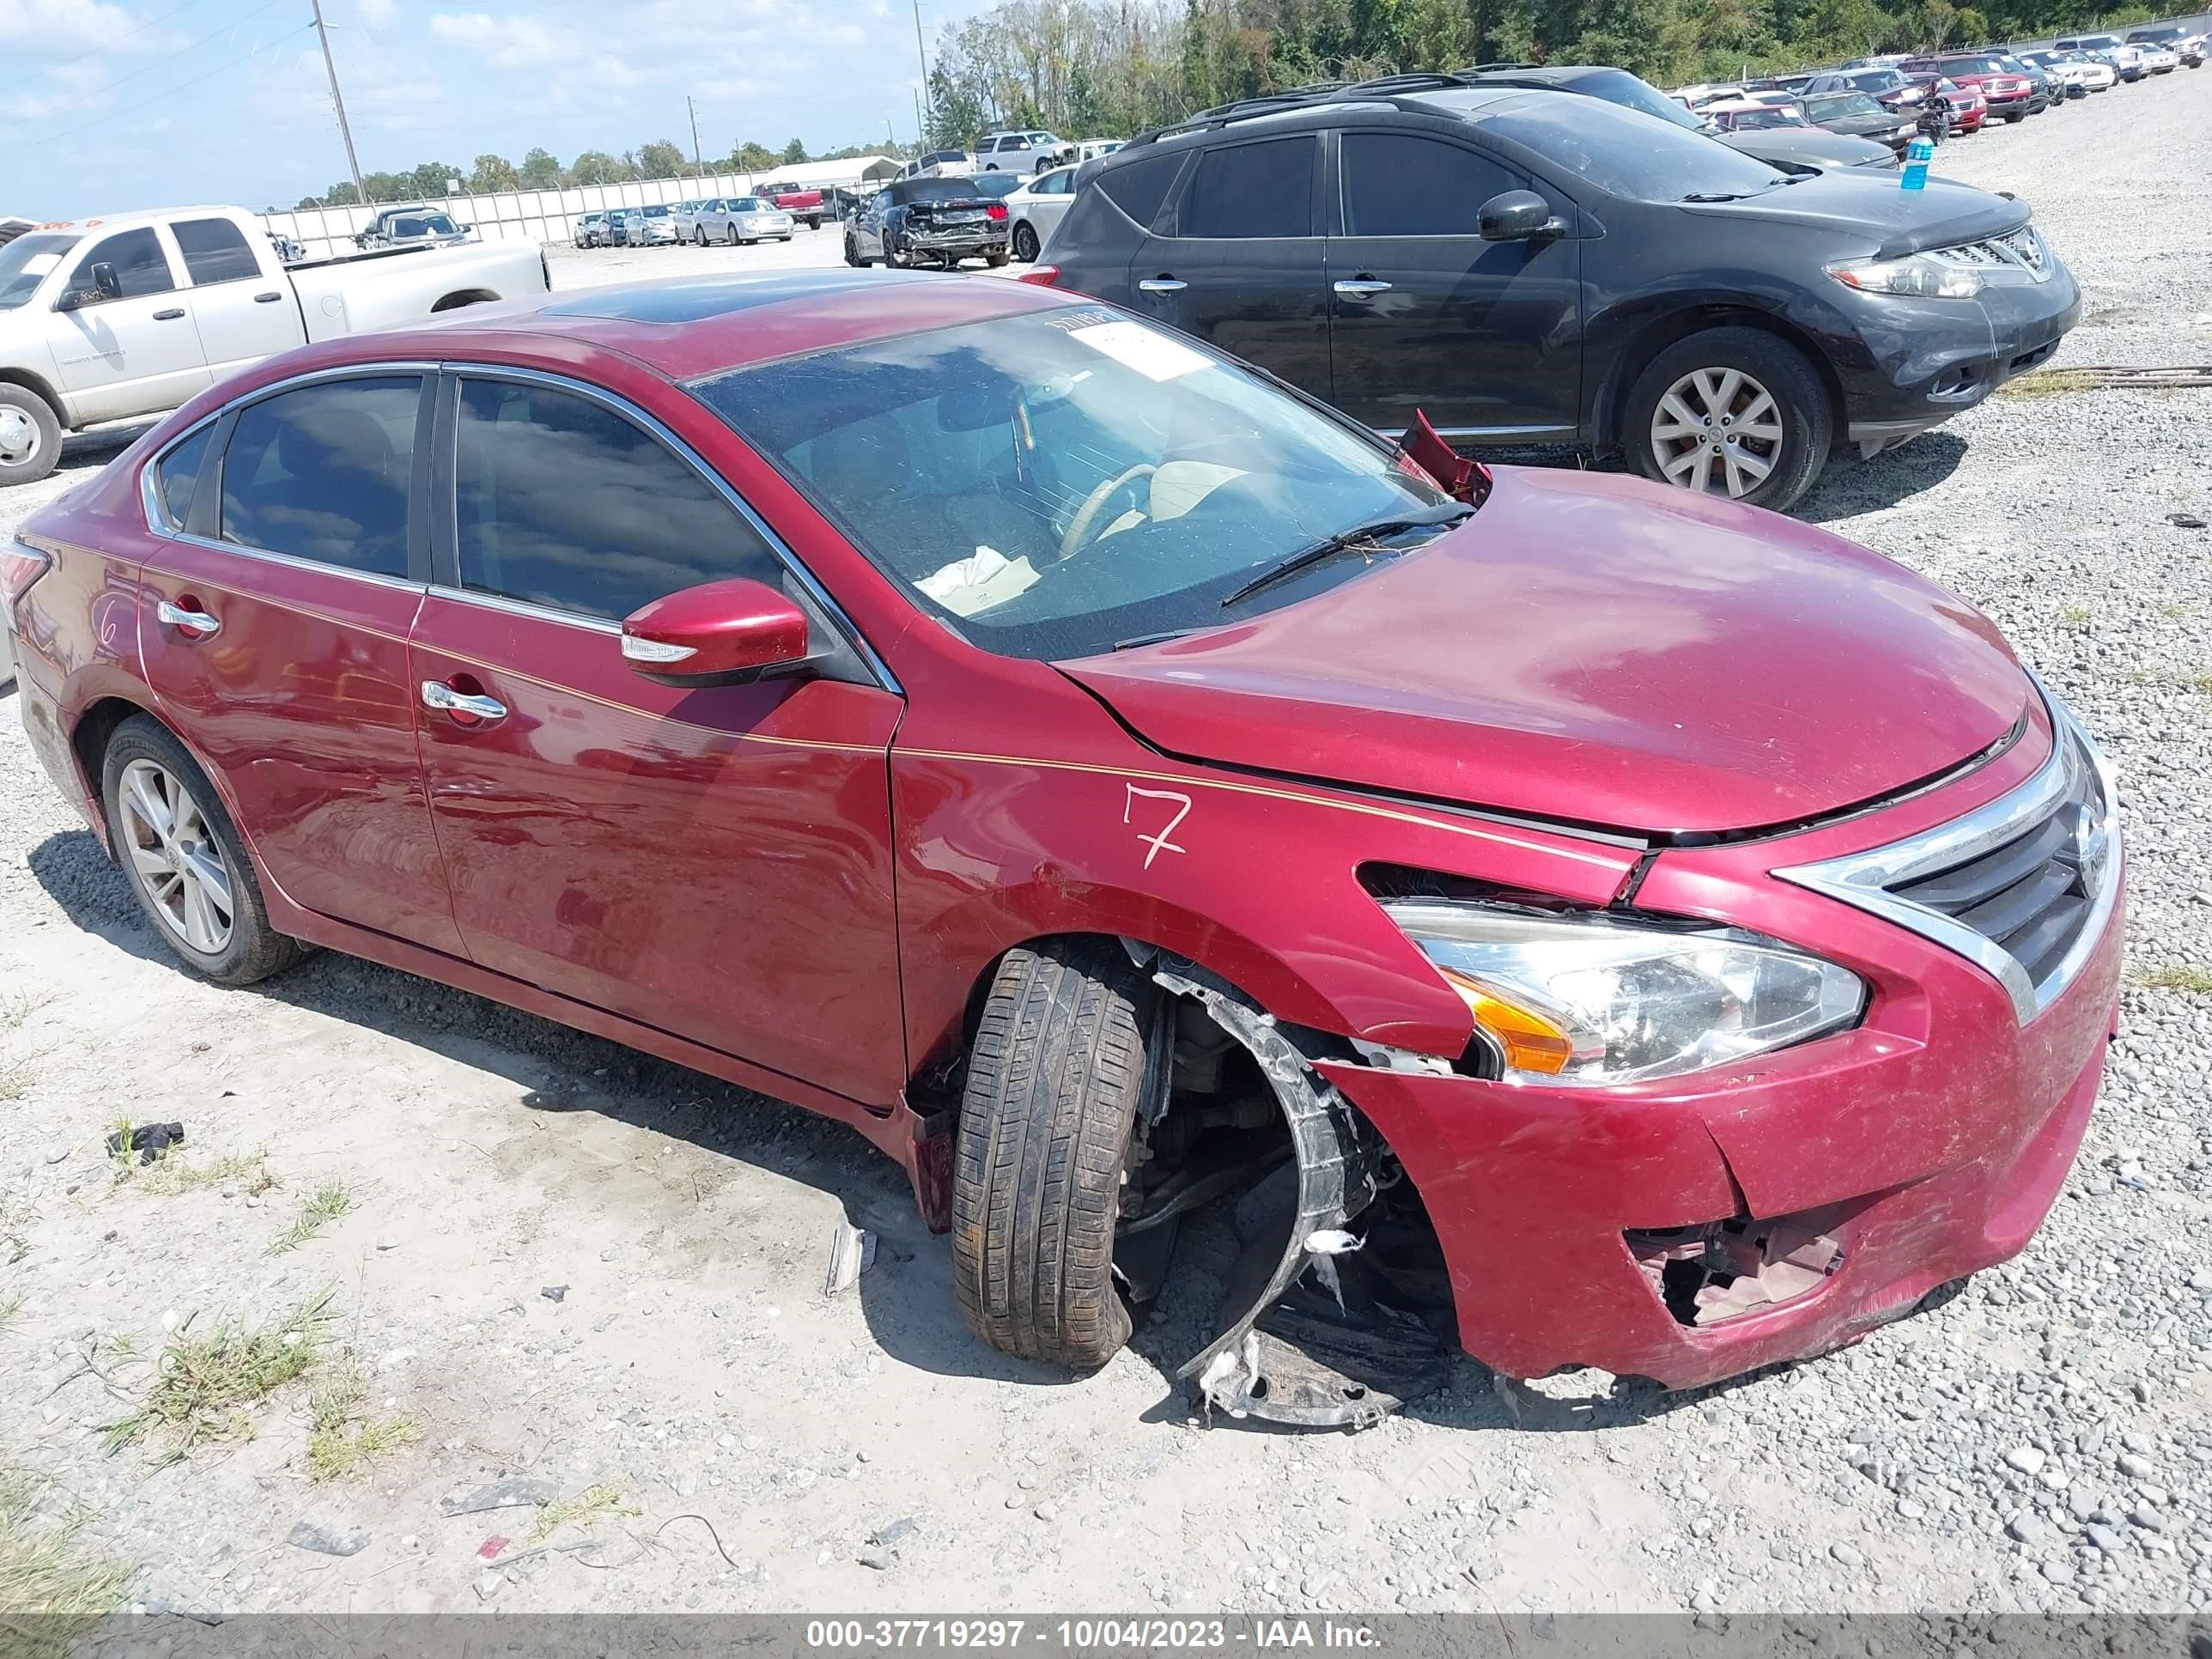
[(184, 858), (1731, 411), (30, 436), (1054, 1074)]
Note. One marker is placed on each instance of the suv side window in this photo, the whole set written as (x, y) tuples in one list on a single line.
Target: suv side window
[(1256, 190), (1140, 188), (321, 473), (1399, 184), (560, 501), (215, 252), (140, 266)]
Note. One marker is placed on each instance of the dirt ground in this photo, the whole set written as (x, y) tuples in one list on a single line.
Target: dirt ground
[(545, 1257)]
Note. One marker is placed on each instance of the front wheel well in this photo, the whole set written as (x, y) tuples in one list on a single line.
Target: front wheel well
[(1655, 336), (31, 383), (466, 296)]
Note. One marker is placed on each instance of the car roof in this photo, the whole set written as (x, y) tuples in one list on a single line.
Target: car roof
[(684, 326)]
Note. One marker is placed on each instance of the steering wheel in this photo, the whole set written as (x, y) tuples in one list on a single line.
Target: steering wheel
[(1078, 531)]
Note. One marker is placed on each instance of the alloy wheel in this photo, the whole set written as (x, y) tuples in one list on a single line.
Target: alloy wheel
[(1717, 429), (174, 857), (19, 438), (1025, 244)]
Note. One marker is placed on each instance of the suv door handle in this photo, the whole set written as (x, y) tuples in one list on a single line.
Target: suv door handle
[(198, 623), (170, 315), (1362, 287), (1161, 285), (438, 694)]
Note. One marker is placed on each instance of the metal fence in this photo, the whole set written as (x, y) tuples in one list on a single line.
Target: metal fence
[(550, 215)]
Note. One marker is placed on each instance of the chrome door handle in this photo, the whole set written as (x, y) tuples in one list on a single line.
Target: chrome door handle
[(197, 622), (438, 694), (1361, 288), (170, 315), (1161, 285)]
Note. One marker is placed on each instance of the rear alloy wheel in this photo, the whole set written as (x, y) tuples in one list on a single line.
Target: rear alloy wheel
[(1025, 243), (30, 436), (1732, 412), (1059, 1061), (852, 252), (184, 860)]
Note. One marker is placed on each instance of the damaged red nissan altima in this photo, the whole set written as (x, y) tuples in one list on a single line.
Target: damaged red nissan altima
[(1582, 923)]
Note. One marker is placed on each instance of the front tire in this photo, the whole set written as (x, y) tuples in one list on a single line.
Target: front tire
[(184, 860), (1025, 243), (30, 436), (1730, 411), (1055, 1074)]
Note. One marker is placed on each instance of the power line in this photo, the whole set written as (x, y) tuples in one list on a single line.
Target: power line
[(87, 97), (170, 92), (109, 46)]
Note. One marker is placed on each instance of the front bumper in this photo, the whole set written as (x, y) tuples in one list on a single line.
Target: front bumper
[(1923, 1145)]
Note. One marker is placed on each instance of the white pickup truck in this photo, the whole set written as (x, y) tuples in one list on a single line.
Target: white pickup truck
[(103, 319)]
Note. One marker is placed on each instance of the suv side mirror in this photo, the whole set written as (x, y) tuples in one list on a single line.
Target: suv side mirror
[(1518, 215), (715, 633)]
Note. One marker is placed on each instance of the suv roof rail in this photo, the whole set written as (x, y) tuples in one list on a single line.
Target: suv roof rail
[(1489, 69), (1320, 92)]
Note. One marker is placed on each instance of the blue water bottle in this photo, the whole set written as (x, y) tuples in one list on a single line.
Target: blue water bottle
[(1918, 154)]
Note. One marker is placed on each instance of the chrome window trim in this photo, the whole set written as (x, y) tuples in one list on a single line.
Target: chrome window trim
[(622, 406), (524, 608), (293, 561), (149, 494), (1861, 879)]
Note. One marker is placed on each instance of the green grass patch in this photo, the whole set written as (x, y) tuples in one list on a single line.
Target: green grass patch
[(583, 1511), (328, 1202), (2047, 383), (202, 1385), (343, 1439), (2183, 976), (47, 1566), (172, 1173)]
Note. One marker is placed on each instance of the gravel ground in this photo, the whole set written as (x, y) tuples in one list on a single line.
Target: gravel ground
[(2040, 1441)]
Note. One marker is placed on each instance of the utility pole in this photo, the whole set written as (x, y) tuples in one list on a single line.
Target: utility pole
[(344, 132), (698, 161), (921, 58)]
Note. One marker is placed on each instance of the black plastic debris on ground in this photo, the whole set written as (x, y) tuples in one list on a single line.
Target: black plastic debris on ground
[(149, 1140), (2184, 522)]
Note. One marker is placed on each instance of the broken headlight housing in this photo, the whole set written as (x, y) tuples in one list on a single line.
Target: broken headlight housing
[(1593, 1000)]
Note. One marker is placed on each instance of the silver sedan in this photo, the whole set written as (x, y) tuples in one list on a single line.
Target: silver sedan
[(744, 219)]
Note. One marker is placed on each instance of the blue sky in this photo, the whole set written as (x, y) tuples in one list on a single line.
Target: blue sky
[(108, 105)]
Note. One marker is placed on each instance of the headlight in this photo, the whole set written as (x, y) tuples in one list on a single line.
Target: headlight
[(1915, 275), (1590, 1001)]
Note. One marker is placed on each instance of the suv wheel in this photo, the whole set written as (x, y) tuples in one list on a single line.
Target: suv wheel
[(1054, 1074), (1732, 411), (30, 436), (184, 858)]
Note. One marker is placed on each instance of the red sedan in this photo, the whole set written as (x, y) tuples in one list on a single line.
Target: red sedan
[(1586, 924)]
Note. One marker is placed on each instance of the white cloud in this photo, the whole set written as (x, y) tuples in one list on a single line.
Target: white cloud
[(506, 42), (52, 28), (379, 14)]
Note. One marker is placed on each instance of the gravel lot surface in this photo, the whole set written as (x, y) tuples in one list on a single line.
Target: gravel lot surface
[(2041, 1441)]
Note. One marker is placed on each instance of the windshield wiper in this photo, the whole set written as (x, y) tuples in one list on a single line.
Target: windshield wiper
[(1360, 539)]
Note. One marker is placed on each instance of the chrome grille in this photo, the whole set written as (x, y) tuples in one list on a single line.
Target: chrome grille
[(2023, 887), (2021, 250)]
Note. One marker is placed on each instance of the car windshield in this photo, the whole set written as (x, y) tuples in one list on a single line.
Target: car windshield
[(996, 184), (1837, 105), (1753, 120), (2153, 37), (1632, 155), (24, 264), (658, 210), (1877, 80), (1619, 86), (746, 204), (1973, 66), (1053, 483)]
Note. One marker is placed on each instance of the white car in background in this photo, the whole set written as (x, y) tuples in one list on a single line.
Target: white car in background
[(1036, 210), (685, 215), (744, 219), (2160, 60), (1091, 149), (106, 319), (1020, 152)]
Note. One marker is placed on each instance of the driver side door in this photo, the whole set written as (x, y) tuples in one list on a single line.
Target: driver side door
[(132, 352)]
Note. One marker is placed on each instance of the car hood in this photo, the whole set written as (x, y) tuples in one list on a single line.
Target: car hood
[(1810, 147), (1595, 649), (1868, 207)]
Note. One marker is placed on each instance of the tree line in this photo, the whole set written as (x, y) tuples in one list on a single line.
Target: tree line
[(541, 170), (1089, 69)]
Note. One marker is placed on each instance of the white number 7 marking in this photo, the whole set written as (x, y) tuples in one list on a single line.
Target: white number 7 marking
[(1159, 843)]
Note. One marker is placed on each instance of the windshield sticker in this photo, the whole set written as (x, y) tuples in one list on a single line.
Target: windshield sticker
[(1133, 345), (1159, 843), (39, 264)]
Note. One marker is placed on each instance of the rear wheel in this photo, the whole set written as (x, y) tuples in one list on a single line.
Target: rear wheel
[(184, 858), (30, 436), (1025, 243), (852, 252), (1734, 412), (1054, 1078)]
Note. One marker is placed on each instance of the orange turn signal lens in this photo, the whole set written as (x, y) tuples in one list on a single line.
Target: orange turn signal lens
[(1530, 1043)]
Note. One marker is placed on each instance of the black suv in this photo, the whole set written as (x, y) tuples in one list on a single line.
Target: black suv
[(1539, 267)]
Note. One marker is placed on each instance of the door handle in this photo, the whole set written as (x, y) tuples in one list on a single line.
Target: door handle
[(198, 623), (170, 315), (268, 298), (1361, 288), (438, 694), (1161, 285)]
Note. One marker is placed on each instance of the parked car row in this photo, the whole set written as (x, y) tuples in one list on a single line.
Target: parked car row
[(771, 212)]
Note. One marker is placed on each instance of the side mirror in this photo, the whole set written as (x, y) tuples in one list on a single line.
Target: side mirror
[(1518, 215), (715, 633), (104, 279)]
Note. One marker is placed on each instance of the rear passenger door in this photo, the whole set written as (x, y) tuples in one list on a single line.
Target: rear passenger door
[(293, 560), (1239, 260), (714, 862), (1484, 337), (244, 312)]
